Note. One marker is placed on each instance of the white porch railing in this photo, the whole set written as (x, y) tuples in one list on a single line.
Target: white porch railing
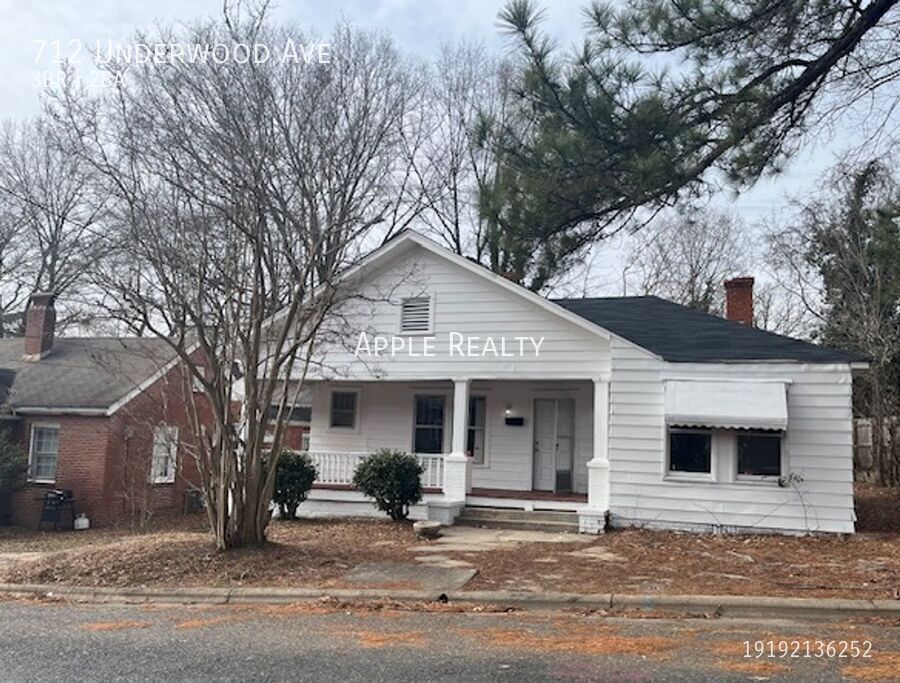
[(433, 476), (337, 468)]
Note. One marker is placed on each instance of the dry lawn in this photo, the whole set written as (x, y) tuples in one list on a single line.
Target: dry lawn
[(320, 552)]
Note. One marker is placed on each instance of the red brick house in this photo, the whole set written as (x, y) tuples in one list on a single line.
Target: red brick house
[(106, 418)]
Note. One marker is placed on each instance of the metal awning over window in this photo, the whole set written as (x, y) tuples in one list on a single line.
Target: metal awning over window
[(726, 404)]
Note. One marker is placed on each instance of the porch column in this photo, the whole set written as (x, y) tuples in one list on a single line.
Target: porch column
[(593, 518), (456, 464)]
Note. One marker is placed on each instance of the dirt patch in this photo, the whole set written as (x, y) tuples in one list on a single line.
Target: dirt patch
[(753, 667), (15, 539), (669, 563), (576, 638), (321, 553), (111, 626), (302, 553), (189, 624), (877, 509), (884, 666), (383, 639)]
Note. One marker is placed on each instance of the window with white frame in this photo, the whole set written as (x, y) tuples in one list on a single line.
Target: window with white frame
[(165, 454), (415, 315), (44, 453), (304, 441), (428, 433), (690, 452), (343, 409), (475, 440), (759, 454)]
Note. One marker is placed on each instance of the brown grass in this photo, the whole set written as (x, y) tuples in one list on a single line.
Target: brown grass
[(319, 553), (303, 553)]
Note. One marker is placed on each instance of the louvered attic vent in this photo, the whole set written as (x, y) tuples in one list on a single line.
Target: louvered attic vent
[(415, 315)]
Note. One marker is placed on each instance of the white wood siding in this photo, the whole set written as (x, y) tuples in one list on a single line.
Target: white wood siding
[(386, 421), (818, 444), (466, 304)]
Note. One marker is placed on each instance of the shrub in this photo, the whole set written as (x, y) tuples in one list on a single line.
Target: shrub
[(293, 480), (392, 479), (13, 465)]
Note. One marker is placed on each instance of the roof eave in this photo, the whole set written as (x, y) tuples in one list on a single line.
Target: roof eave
[(41, 410)]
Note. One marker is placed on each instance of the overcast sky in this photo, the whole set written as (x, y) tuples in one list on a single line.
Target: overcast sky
[(417, 26)]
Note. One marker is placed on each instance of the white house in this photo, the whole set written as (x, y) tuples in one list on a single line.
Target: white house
[(626, 411)]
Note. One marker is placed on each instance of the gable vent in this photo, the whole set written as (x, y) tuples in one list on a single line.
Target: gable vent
[(415, 314)]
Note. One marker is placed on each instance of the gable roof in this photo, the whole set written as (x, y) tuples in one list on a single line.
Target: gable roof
[(407, 239), (80, 373), (683, 335), (668, 330)]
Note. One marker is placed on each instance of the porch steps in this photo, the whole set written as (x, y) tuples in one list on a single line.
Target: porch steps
[(519, 520)]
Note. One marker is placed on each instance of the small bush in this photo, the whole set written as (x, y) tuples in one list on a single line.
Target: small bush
[(13, 464), (293, 480), (392, 479)]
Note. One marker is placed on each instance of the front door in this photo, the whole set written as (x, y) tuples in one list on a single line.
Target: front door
[(554, 443)]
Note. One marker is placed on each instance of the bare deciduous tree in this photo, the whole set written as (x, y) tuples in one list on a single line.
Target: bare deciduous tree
[(687, 256), (240, 191), (51, 209), (469, 99), (841, 250)]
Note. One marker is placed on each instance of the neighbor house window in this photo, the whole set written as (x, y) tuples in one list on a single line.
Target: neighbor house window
[(690, 451), (759, 455), (415, 315), (44, 454), (343, 409), (475, 436), (304, 441), (165, 454), (428, 434)]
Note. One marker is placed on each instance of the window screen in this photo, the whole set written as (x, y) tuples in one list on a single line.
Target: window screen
[(429, 424), (759, 454), (690, 452)]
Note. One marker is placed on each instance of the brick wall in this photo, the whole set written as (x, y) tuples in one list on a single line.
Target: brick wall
[(81, 467), (105, 461), (170, 402)]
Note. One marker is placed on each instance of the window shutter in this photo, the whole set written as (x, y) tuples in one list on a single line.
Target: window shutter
[(415, 314)]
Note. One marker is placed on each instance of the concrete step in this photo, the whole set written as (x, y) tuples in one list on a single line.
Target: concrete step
[(519, 520), (518, 514)]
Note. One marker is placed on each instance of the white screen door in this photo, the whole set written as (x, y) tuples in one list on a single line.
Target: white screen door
[(554, 443)]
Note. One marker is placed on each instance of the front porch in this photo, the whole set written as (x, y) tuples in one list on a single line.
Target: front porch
[(515, 444)]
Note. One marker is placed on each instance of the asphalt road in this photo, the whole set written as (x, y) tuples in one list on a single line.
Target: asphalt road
[(48, 641)]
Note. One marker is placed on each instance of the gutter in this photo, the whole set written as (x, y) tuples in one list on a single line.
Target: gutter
[(35, 410), (690, 605)]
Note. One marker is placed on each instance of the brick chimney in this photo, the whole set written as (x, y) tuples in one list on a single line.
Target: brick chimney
[(739, 300), (40, 324)]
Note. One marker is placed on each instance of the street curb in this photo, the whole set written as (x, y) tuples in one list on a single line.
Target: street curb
[(707, 605)]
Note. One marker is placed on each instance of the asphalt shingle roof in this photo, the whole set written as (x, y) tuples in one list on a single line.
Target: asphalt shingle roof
[(681, 334), (90, 372)]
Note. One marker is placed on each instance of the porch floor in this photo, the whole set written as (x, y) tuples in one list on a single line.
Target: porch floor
[(529, 495)]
